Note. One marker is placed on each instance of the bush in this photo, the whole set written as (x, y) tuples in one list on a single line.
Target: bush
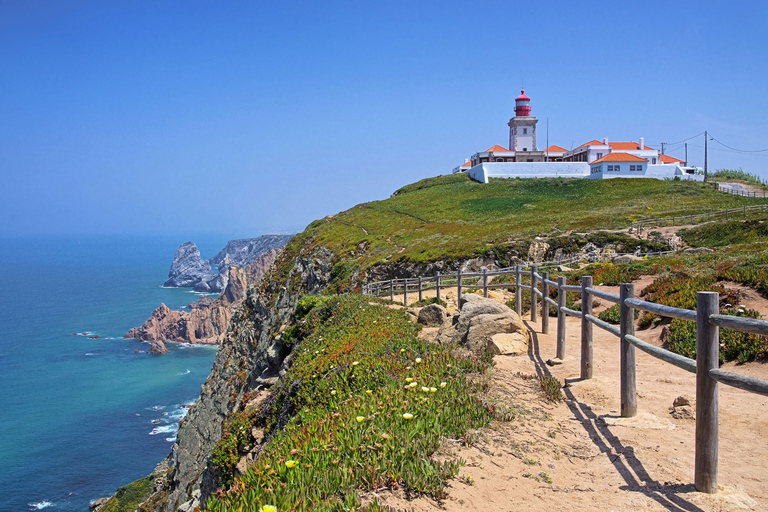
[(427, 302)]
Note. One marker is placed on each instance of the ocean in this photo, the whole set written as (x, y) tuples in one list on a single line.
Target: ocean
[(80, 417)]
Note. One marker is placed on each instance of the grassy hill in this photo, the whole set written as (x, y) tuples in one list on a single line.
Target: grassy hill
[(454, 217)]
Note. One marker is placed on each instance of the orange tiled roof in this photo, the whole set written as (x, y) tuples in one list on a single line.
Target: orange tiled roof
[(592, 143), (555, 149), (626, 146), (619, 157), (666, 159), (495, 148)]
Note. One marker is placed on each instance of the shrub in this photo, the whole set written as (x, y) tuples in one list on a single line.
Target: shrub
[(427, 302)]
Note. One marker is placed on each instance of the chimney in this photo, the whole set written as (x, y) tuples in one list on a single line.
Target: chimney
[(642, 143), (605, 141)]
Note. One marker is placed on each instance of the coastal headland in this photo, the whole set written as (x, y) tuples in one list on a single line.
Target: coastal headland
[(321, 398)]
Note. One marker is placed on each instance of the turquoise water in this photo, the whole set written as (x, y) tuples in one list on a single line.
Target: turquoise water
[(80, 417)]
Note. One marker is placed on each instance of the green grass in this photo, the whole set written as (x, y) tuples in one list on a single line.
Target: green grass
[(737, 175), (719, 234), (453, 217), (369, 404)]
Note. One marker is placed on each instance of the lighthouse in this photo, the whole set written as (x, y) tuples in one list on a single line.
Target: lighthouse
[(522, 127)]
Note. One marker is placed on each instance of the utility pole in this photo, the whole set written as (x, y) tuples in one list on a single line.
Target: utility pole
[(662, 147), (686, 154), (706, 137)]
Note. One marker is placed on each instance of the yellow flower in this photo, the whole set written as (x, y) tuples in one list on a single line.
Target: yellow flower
[(408, 416), (355, 363), (412, 384), (418, 359), (443, 384), (369, 391), (290, 463), (402, 350), (425, 389), (360, 419), (408, 379), (333, 392), (407, 367), (268, 508), (432, 390)]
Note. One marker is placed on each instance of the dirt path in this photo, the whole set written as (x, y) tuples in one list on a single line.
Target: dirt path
[(580, 455)]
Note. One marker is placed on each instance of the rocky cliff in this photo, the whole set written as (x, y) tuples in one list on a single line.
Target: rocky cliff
[(251, 357), (208, 319), (190, 270)]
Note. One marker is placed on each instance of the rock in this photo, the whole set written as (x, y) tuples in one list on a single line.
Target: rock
[(242, 466), (554, 361), (203, 302), (188, 268), (483, 327), (158, 347), (537, 251), (468, 297), (234, 293), (97, 337), (682, 400), (433, 314), (512, 344), (683, 412), (99, 502), (137, 351), (626, 258)]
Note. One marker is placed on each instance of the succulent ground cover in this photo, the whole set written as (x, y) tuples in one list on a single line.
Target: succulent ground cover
[(364, 407)]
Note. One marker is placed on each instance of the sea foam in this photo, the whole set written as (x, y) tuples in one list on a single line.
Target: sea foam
[(40, 505)]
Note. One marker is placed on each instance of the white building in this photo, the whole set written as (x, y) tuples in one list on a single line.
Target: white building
[(612, 159)]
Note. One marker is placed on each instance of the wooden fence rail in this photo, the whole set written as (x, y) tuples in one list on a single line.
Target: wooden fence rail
[(708, 321), (696, 218)]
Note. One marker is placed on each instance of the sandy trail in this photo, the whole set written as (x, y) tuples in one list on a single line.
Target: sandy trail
[(580, 455)]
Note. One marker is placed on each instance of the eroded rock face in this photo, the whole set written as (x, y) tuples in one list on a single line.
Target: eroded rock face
[(250, 355), (188, 268)]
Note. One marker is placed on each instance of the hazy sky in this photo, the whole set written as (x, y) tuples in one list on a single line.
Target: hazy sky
[(241, 118)]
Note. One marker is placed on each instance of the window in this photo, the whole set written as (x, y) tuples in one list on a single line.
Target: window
[(529, 160), (636, 168), (599, 156), (525, 131), (614, 168), (654, 161)]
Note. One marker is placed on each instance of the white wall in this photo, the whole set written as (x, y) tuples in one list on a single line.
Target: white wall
[(482, 172)]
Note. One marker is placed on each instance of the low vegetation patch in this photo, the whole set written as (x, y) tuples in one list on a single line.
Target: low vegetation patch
[(365, 405), (720, 234)]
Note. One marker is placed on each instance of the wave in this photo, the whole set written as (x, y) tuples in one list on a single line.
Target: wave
[(185, 372), (171, 439), (40, 505), (165, 429), (90, 354)]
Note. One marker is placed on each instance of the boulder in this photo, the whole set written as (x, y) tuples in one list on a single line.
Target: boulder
[(537, 251), (479, 320), (98, 503), (510, 344), (626, 258), (433, 314), (468, 297), (158, 347)]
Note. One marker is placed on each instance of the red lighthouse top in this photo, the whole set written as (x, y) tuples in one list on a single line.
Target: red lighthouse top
[(522, 105)]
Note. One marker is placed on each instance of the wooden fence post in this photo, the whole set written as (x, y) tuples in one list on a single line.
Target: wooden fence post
[(392, 290), (437, 283), (458, 287), (485, 282), (586, 329), (420, 290), (707, 358), (628, 379), (518, 292), (561, 296), (544, 303), (405, 293), (534, 297)]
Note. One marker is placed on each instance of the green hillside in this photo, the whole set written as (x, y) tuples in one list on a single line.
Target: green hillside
[(454, 217)]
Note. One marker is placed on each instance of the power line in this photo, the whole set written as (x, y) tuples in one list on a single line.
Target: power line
[(739, 150)]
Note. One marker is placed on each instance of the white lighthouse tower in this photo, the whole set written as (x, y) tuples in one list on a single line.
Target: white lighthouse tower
[(522, 127)]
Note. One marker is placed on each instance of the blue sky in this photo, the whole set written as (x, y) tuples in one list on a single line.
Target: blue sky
[(241, 118)]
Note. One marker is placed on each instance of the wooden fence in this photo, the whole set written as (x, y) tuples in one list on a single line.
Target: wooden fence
[(697, 218), (706, 366)]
